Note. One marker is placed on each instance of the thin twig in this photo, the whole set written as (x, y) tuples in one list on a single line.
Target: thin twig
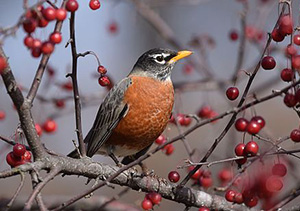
[(75, 87), (39, 187), (9, 205)]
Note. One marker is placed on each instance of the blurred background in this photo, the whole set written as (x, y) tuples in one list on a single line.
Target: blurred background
[(119, 34)]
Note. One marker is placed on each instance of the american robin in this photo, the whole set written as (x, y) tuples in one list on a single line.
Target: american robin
[(136, 110)]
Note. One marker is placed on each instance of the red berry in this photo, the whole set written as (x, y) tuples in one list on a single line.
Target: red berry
[(286, 25), (102, 70), (253, 127), (49, 126), (290, 50), (238, 198), (169, 149), (295, 135), (42, 22), (60, 103), (36, 52), (250, 32), (55, 37), (36, 43), (160, 140), (29, 25), (274, 184), (259, 120), (3, 64), (197, 174), (225, 175), (154, 197), (72, 5), (61, 14), (2, 115), (290, 100), (38, 129), (205, 182), (204, 209), (234, 35), (19, 150), (232, 93), (113, 27), (239, 149), (188, 68), (183, 120), (28, 41), (296, 39), (296, 62), (276, 36), (251, 202), (287, 74), (49, 13), (204, 111), (26, 156), (174, 176), (12, 160), (268, 63), (229, 195), (241, 124), (47, 47), (147, 204), (94, 4), (68, 86), (279, 169), (251, 148), (241, 161), (104, 81)]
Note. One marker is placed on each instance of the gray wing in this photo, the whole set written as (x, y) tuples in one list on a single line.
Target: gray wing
[(111, 111)]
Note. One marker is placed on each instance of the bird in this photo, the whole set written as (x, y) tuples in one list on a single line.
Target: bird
[(137, 110)]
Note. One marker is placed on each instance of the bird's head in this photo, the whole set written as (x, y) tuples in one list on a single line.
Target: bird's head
[(158, 63)]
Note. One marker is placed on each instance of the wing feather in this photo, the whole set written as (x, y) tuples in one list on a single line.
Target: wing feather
[(110, 112)]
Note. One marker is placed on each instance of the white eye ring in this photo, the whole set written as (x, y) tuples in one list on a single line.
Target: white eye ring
[(158, 57)]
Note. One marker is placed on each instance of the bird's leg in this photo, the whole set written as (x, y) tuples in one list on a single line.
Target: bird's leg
[(112, 155), (115, 159), (145, 170)]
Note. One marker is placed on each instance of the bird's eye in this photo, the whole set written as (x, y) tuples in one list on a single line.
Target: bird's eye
[(159, 58)]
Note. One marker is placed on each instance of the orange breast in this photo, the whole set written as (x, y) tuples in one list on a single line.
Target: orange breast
[(150, 105)]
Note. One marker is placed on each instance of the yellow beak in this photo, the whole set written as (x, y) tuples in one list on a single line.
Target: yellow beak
[(180, 55)]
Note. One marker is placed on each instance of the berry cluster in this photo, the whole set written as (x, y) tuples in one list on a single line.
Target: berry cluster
[(103, 79), (182, 119), (169, 148), (252, 127), (150, 200), (253, 33), (263, 185), (40, 17), (206, 112), (18, 156), (49, 126), (246, 150), (202, 178), (285, 27)]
